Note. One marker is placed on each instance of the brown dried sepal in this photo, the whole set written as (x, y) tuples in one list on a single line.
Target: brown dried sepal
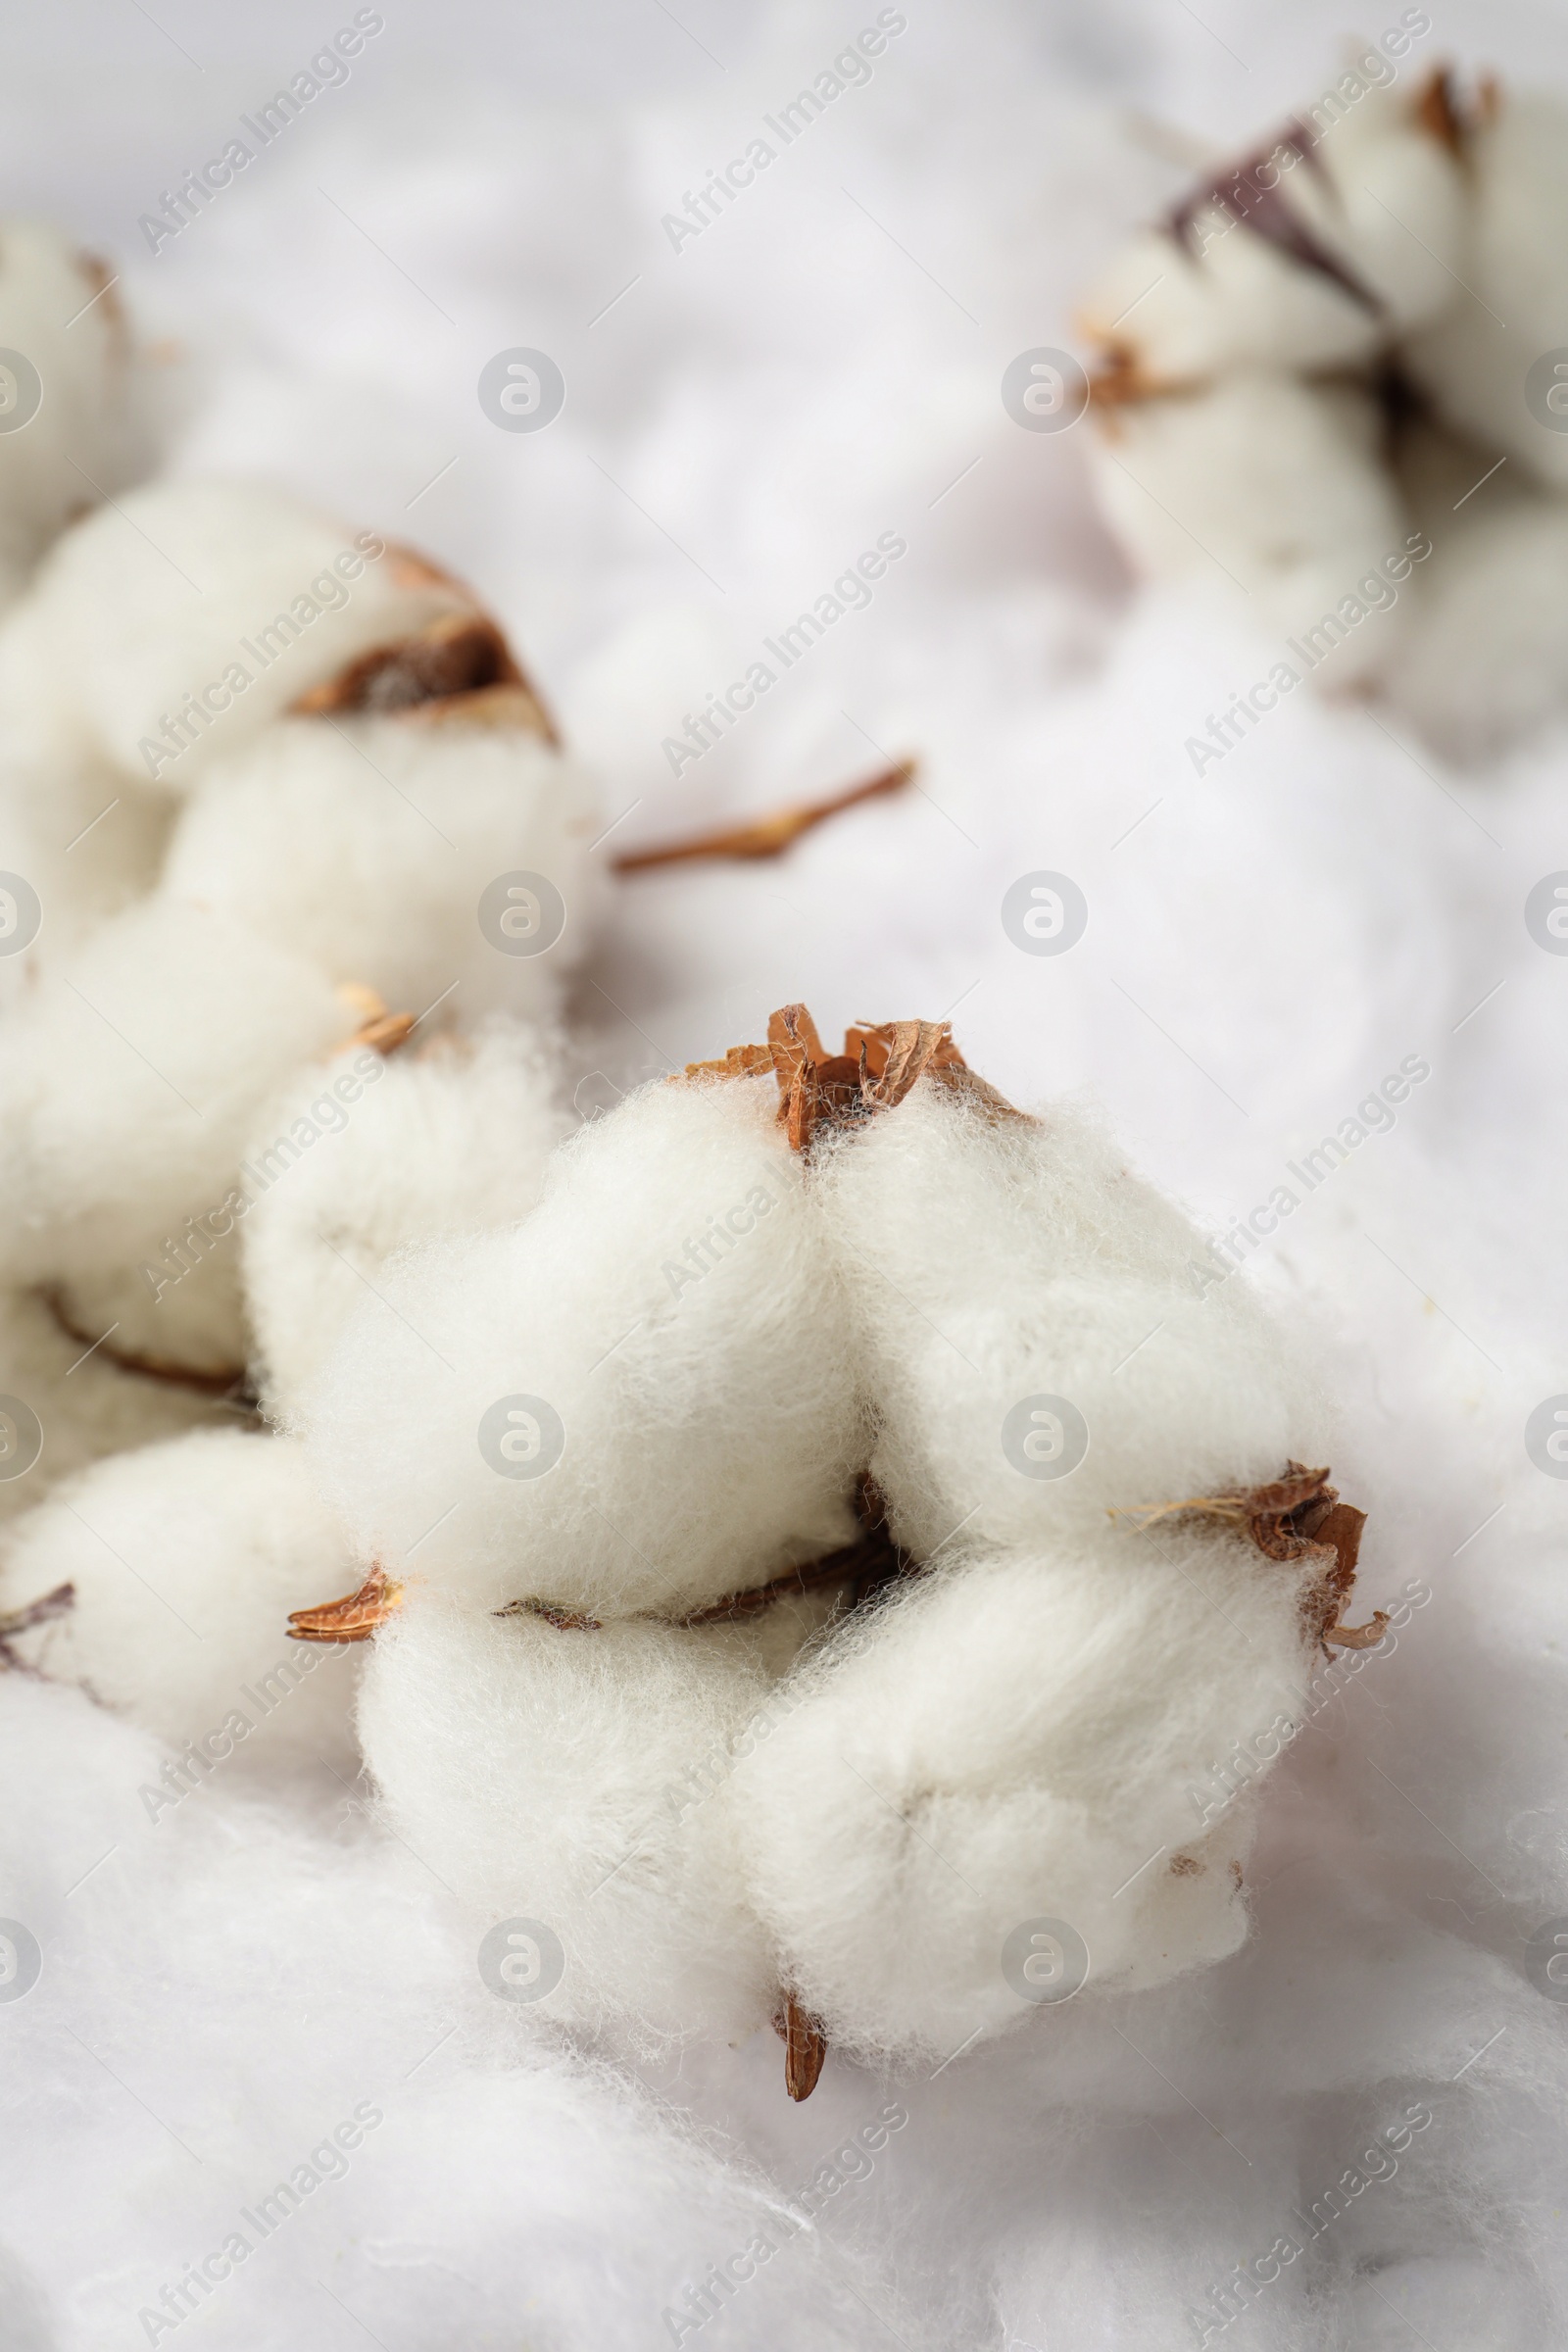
[(805, 2047), (766, 836), (459, 669), (354, 1618), (379, 1029), (871, 1561), (1296, 1517), (1438, 110), (1263, 210)]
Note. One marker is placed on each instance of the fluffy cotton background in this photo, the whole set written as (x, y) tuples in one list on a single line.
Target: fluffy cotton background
[(1263, 946)]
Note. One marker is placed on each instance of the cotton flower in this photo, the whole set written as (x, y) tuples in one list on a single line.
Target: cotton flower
[(839, 1530), (376, 829), (1318, 362)]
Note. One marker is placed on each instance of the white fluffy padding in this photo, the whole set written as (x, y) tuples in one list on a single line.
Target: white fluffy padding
[(1181, 317), (1511, 305), (185, 1559), (83, 440), (366, 844), (704, 1386), (1275, 484), (131, 1079), (546, 1774), (446, 1141)]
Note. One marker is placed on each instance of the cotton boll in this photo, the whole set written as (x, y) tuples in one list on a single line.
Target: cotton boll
[(184, 1560), (164, 632), (369, 844), (85, 841), (132, 1077), (59, 310), (415, 1149), (1486, 655), (546, 1774), (1279, 485), (1007, 1276), (1511, 308), (663, 1336), (1018, 1740), (1376, 195)]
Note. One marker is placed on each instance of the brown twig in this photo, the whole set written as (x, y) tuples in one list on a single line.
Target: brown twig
[(33, 1612), (766, 836)]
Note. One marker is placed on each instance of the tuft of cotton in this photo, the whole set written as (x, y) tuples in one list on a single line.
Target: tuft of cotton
[(642, 1398), (1178, 310), (183, 1562), (163, 631), (550, 1776), (1276, 484), (417, 1148), (131, 1078), (72, 412), (417, 830), (1474, 358)]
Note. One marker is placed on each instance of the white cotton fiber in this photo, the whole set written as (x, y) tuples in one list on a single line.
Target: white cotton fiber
[(662, 1335), (1487, 360), (71, 431), (1180, 311), (1487, 656), (184, 1560), (451, 1139), (369, 844), (1020, 1741), (213, 606), (131, 1079), (546, 1774), (1275, 486), (992, 1261)]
